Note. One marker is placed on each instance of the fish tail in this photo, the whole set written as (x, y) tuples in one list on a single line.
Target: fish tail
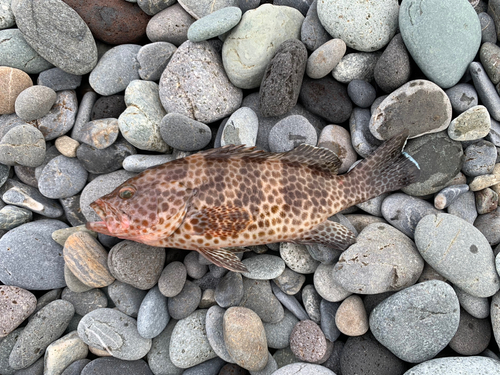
[(389, 168)]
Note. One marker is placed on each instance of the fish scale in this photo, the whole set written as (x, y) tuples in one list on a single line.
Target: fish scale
[(220, 200)]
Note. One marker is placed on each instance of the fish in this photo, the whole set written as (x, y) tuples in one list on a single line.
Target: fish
[(222, 200)]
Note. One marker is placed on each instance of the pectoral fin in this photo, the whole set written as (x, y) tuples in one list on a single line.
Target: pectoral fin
[(224, 258), (328, 233)]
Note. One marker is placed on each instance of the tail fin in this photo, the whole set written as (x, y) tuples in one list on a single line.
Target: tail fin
[(389, 168)]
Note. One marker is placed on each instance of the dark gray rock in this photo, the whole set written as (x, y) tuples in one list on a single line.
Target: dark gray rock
[(85, 302), (278, 334), (473, 335), (363, 140), (215, 332), (229, 290), (290, 302), (76, 367), (106, 160), (488, 224), (194, 268), (84, 113), (328, 311), (185, 303), (59, 80), (259, 298), (126, 298), (72, 211), (393, 67), (290, 282), (159, 355), (489, 54), (108, 107), (210, 367), (313, 34), (462, 97), (362, 93), (153, 59), (485, 89), (183, 133), (446, 196), (464, 207), (6, 345), (488, 32), (479, 158), (151, 7), (153, 316)]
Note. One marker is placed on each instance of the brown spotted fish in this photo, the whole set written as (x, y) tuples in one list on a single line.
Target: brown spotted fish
[(220, 200)]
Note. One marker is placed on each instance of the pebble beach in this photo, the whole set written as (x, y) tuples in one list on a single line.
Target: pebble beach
[(93, 92)]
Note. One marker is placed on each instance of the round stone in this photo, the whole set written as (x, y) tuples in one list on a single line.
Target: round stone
[(393, 67), (470, 125), (13, 216), (297, 258), (34, 102), (153, 59), (278, 334), (361, 93), (183, 133), (264, 267), (229, 290), (214, 24), (307, 341), (291, 132), (185, 303), (325, 58), (126, 298), (67, 146), (351, 318), (241, 128), (195, 269), (12, 83), (153, 315), (258, 296), (478, 307), (62, 177), (454, 365), (16, 304), (170, 25)]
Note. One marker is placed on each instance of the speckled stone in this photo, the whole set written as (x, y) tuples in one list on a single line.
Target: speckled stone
[(454, 365), (229, 290), (185, 303), (34, 102), (151, 7), (153, 59), (218, 22), (470, 125), (311, 301), (172, 279), (480, 158), (290, 282), (6, 346), (183, 133), (59, 80), (100, 133), (290, 132), (170, 25), (158, 357), (107, 107), (153, 315), (478, 307), (16, 304), (312, 32), (489, 55), (62, 177), (356, 65), (215, 332), (22, 145), (6, 15), (307, 341), (264, 267), (63, 352), (297, 258), (363, 140), (85, 302), (126, 298), (393, 67), (326, 286)]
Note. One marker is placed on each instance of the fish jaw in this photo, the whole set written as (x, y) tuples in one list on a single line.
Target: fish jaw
[(113, 223)]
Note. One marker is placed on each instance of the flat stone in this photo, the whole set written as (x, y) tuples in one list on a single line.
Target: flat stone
[(325, 58), (470, 125), (378, 20), (258, 297), (264, 267), (218, 22), (440, 238), (290, 302), (12, 82), (100, 133), (70, 46), (489, 55), (183, 133), (246, 46), (153, 315), (200, 9), (393, 67), (357, 65), (153, 59), (170, 25), (141, 162), (442, 38), (326, 286), (172, 279), (59, 80), (107, 160), (16, 304), (453, 365), (62, 177), (34, 102), (478, 307), (485, 89), (113, 331), (312, 32), (241, 128), (229, 291), (463, 96), (63, 352)]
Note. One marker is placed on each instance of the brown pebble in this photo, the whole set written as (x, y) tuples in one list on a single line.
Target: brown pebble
[(12, 82), (16, 304), (351, 318), (308, 342), (87, 260), (67, 146)]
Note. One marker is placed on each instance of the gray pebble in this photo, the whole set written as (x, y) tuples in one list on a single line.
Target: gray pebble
[(229, 290), (489, 56), (363, 140), (290, 302), (185, 303), (159, 355), (62, 177), (337, 139), (328, 310), (74, 284), (106, 160), (210, 367), (278, 334), (303, 368), (126, 298), (357, 65), (325, 58), (473, 335), (13, 216), (218, 22), (494, 134), (172, 279), (285, 357), (480, 158), (151, 7), (464, 207), (15, 52), (170, 25), (61, 116), (393, 67), (297, 258), (290, 282), (263, 267), (326, 286), (463, 96), (141, 162), (116, 366), (486, 201), (291, 132), (76, 367), (313, 34), (454, 365), (113, 331), (153, 316), (259, 297), (22, 145), (6, 345), (35, 369), (153, 59), (194, 268), (485, 89), (215, 336), (311, 300), (373, 206), (470, 125), (241, 128), (35, 102), (361, 93), (85, 302), (100, 133), (447, 195), (478, 307), (84, 113), (183, 133), (488, 32), (59, 80)]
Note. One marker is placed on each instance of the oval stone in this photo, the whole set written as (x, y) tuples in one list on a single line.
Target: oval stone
[(456, 365), (471, 125), (214, 24), (12, 82), (459, 252), (16, 304), (264, 267)]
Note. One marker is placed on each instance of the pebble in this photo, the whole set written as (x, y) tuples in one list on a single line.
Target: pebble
[(488, 32), (87, 260), (471, 125), (183, 133), (290, 302), (489, 56), (85, 302), (30, 258), (362, 93), (392, 69), (245, 338), (478, 307), (229, 290), (480, 158), (463, 96), (326, 286), (280, 86), (278, 334), (485, 89), (6, 345), (34, 102), (449, 194), (297, 258), (363, 141), (290, 132), (16, 304), (136, 264), (185, 303), (453, 365), (373, 206), (473, 335), (172, 279), (6, 15), (442, 55), (107, 160), (59, 80), (84, 113), (153, 59), (194, 268), (432, 311), (15, 52), (351, 318), (210, 367), (357, 65), (70, 47), (215, 333), (170, 25), (290, 282), (116, 333), (108, 107), (72, 210), (63, 352), (159, 355), (22, 145), (62, 177), (484, 181), (264, 267), (76, 367), (247, 51), (426, 150), (13, 216), (327, 98), (488, 226), (307, 342), (67, 146), (153, 315), (302, 368), (241, 128), (379, 20), (115, 70), (400, 111), (12, 82), (495, 316), (312, 32), (258, 297), (324, 58), (439, 238), (115, 366), (100, 133), (189, 345), (141, 162), (45, 326), (217, 22), (328, 310), (151, 7), (116, 23), (198, 90)]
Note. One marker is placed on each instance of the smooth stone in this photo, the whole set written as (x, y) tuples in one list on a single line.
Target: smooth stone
[(63, 352), (153, 315), (290, 282), (328, 311), (76, 367), (158, 357), (115, 366), (115, 70), (258, 297), (303, 368), (464, 207), (185, 303), (440, 238), (107, 107), (485, 89), (194, 268), (200, 9), (15, 52), (404, 212), (488, 32), (153, 59), (70, 47), (362, 93), (307, 342), (183, 133), (13, 216), (67, 146), (488, 225), (113, 331), (35, 102), (100, 133), (87, 260), (84, 113), (172, 279), (404, 109), (263, 267), (478, 307), (280, 86), (494, 134), (278, 334), (170, 25), (218, 22), (194, 84), (126, 298), (484, 181), (245, 338), (326, 286), (30, 258), (210, 367), (290, 302), (373, 206), (189, 344), (45, 326), (442, 38), (7, 18), (62, 177), (495, 316), (479, 158), (418, 322), (327, 98), (106, 160), (151, 7), (363, 140), (325, 58), (463, 96), (229, 290), (141, 162), (16, 304), (215, 332), (357, 65), (247, 51), (241, 128), (489, 55), (392, 69), (136, 264), (59, 80), (290, 132), (426, 150), (6, 345), (312, 32), (455, 365), (22, 145), (297, 258), (351, 318), (71, 207), (12, 82), (473, 335), (470, 125), (449, 194), (73, 283)]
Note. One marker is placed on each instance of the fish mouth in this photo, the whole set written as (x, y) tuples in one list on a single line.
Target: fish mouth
[(114, 222)]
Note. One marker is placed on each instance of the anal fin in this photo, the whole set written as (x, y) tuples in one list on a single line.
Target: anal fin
[(328, 233), (224, 258)]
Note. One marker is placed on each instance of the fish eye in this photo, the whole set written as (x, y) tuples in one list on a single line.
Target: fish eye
[(126, 192)]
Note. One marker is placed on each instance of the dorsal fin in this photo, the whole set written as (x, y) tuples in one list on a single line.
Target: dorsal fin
[(230, 150)]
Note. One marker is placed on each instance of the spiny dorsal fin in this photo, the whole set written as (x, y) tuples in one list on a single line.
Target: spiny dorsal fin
[(224, 258), (230, 150)]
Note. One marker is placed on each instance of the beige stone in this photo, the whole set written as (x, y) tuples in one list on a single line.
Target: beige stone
[(351, 318), (12, 83), (67, 146)]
